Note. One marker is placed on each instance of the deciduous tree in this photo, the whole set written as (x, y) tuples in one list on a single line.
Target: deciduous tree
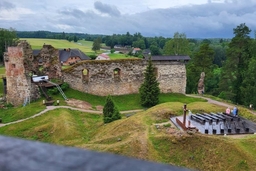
[(178, 45), (7, 38), (96, 44)]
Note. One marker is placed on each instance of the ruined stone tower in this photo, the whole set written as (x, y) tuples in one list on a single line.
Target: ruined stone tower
[(18, 78)]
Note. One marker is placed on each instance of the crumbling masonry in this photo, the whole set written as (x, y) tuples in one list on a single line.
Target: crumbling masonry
[(106, 77)]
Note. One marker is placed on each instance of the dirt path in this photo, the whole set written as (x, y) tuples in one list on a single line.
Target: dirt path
[(48, 108), (217, 102), (86, 107)]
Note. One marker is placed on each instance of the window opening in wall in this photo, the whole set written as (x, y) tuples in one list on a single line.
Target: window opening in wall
[(85, 74), (13, 66), (117, 73)]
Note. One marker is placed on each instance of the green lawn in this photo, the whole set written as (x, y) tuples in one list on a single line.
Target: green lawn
[(16, 113), (84, 46), (119, 56), (127, 102)]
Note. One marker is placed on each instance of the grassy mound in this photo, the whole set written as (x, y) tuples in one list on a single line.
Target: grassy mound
[(137, 136)]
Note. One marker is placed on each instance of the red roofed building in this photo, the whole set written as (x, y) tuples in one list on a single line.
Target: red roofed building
[(103, 57)]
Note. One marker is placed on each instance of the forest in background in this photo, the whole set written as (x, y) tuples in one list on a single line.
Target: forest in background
[(229, 64)]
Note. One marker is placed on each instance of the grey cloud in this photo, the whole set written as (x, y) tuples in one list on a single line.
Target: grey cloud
[(6, 5), (208, 20), (73, 12), (107, 9), (200, 21)]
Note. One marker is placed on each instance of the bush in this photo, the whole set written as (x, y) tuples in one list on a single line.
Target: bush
[(93, 57), (110, 112), (112, 50), (64, 86), (53, 91)]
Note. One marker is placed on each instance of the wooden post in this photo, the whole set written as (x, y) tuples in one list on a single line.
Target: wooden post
[(184, 114)]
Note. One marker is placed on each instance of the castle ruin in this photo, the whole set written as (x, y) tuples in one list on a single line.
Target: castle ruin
[(103, 77)]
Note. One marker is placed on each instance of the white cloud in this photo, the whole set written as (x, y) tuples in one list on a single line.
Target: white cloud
[(197, 18)]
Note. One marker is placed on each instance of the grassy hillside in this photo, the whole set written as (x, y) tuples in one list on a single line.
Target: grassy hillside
[(138, 137), (123, 102)]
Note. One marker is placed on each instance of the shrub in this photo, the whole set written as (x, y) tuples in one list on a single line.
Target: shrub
[(93, 57), (64, 86), (53, 91), (110, 112)]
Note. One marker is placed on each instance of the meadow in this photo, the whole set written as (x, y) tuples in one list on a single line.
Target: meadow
[(84, 46)]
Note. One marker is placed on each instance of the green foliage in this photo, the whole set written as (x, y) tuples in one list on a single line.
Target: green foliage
[(8, 37), (93, 57), (96, 44), (203, 59), (154, 50), (149, 89), (179, 45), (235, 69), (110, 111), (112, 50), (139, 44), (64, 86), (53, 91)]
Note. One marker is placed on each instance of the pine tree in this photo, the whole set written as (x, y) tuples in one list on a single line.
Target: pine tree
[(236, 65), (110, 112), (149, 90)]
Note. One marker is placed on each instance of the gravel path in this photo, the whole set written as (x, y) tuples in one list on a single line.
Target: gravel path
[(217, 102)]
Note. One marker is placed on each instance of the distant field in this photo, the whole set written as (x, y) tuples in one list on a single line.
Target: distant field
[(119, 56), (84, 46)]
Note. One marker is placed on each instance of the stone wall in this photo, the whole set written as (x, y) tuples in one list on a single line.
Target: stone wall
[(106, 77), (171, 76), (117, 77), (21, 64), (99, 77), (18, 81)]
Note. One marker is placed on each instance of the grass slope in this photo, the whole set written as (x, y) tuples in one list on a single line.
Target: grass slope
[(138, 137)]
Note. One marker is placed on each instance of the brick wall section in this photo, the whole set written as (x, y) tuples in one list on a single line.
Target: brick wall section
[(101, 80), (17, 77)]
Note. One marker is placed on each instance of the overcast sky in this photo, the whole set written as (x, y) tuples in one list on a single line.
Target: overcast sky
[(195, 18)]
